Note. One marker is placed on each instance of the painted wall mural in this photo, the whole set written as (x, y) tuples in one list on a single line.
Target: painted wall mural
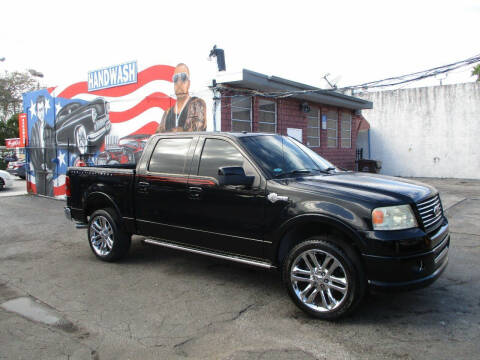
[(71, 125)]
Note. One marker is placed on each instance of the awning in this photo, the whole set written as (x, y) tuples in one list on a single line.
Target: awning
[(248, 79)]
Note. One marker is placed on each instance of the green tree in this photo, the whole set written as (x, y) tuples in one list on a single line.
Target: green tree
[(12, 86), (476, 72), (9, 129)]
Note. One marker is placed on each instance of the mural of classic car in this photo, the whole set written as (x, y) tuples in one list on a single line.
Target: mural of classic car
[(127, 150), (83, 124)]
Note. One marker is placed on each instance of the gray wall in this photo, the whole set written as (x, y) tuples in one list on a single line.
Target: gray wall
[(427, 132)]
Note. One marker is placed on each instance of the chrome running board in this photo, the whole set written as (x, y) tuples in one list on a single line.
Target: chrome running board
[(210, 253)]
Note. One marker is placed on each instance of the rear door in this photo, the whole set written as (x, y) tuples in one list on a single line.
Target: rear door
[(161, 196), (226, 218)]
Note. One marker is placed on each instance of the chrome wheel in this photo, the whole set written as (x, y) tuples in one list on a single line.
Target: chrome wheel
[(101, 235), (81, 139), (319, 280)]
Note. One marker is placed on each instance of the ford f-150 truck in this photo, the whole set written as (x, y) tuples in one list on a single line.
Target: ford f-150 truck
[(267, 200)]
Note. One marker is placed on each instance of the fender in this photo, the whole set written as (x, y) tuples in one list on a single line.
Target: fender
[(100, 195), (298, 220)]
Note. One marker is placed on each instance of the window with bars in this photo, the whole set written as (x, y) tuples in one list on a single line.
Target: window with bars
[(332, 128), (346, 130), (313, 128), (241, 113), (267, 116)]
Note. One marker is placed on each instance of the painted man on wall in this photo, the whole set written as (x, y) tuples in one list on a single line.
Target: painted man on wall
[(188, 113), (42, 150)]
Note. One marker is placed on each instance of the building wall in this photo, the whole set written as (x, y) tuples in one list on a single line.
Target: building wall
[(427, 132), (290, 115)]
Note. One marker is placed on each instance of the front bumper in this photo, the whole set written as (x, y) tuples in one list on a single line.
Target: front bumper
[(411, 270), (7, 182), (95, 136)]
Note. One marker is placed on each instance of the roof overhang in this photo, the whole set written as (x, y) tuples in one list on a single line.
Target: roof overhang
[(248, 79)]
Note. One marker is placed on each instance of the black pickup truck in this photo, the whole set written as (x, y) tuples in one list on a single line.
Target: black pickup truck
[(267, 200)]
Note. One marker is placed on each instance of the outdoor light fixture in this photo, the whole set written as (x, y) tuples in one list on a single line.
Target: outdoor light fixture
[(305, 107), (220, 55)]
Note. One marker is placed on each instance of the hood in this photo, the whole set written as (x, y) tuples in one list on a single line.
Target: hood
[(380, 187)]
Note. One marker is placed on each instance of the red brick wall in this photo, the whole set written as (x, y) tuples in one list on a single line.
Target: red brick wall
[(290, 115)]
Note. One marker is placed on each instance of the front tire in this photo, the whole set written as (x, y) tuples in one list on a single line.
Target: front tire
[(105, 237), (322, 279), (81, 139)]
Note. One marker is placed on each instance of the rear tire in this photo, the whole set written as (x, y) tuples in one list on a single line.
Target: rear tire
[(322, 279), (107, 241)]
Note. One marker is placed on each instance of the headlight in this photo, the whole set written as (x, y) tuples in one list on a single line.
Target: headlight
[(393, 218)]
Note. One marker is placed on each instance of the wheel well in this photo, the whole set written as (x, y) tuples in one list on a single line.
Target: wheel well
[(304, 231), (97, 202)]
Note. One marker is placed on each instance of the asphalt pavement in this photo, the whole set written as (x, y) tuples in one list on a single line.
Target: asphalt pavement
[(19, 187), (57, 301)]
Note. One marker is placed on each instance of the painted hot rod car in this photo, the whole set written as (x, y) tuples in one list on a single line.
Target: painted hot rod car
[(128, 150), (83, 124)]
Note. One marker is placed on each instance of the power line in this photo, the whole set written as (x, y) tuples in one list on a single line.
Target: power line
[(387, 82)]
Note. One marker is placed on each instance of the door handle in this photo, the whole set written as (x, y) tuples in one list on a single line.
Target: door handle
[(143, 187), (195, 192)]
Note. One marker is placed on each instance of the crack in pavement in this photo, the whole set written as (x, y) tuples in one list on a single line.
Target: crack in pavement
[(179, 346), (455, 204)]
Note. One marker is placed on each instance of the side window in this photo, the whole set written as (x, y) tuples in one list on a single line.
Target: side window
[(332, 128), (267, 116), (170, 156), (220, 153), (241, 113), (346, 130)]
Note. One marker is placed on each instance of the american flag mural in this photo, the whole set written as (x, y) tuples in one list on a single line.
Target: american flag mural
[(70, 124)]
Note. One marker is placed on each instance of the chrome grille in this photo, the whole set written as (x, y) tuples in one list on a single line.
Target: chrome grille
[(431, 211)]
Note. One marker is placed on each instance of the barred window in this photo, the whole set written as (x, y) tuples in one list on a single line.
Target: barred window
[(267, 116), (332, 128), (346, 129), (313, 128), (241, 113)]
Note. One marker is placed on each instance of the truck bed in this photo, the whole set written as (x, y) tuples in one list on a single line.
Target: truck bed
[(110, 185)]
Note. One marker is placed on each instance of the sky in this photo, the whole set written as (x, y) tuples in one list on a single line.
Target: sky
[(353, 41)]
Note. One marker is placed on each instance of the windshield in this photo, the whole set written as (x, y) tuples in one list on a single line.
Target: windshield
[(280, 156)]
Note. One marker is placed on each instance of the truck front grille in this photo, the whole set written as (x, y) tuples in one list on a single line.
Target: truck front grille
[(431, 211)]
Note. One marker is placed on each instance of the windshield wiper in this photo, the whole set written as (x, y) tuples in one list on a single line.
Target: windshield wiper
[(294, 172)]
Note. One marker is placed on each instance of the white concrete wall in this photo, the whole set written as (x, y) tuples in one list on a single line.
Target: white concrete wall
[(427, 132)]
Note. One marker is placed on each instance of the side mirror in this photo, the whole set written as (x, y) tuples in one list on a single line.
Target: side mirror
[(234, 175)]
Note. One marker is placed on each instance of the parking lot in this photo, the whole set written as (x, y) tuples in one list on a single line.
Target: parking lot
[(162, 304), (18, 188)]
